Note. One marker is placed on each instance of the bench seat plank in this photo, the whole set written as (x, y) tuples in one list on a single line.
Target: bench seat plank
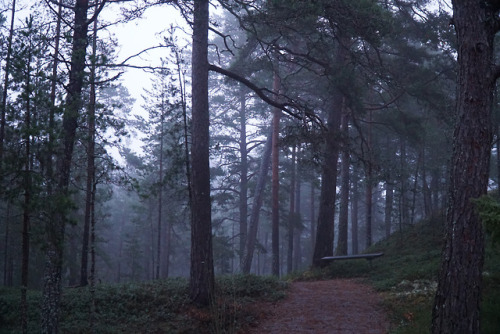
[(351, 257)]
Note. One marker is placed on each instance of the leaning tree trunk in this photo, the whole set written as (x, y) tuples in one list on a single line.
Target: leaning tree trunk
[(55, 227), (456, 306), (201, 283), (257, 204)]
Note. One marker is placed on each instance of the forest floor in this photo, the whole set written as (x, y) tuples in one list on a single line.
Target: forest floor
[(332, 306)]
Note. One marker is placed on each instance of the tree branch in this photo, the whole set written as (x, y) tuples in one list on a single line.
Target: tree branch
[(261, 94)]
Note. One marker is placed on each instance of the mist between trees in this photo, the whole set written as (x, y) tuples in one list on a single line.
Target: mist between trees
[(293, 130)]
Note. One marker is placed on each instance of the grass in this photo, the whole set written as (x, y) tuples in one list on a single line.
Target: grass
[(160, 306)]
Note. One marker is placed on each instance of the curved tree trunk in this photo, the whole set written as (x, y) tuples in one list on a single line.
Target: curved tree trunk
[(456, 306)]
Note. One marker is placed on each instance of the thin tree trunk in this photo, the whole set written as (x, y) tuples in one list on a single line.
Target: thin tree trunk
[(403, 197), (344, 195), (369, 185), (354, 216), (389, 198), (6, 244), (257, 204), (6, 82), (186, 127), (414, 190), (243, 177), (168, 243), (90, 165), (27, 205), (313, 217), (160, 197), (201, 283), (92, 277), (291, 217), (275, 235), (297, 257), (53, 86)]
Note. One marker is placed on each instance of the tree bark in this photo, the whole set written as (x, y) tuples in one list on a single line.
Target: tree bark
[(275, 232), (6, 83), (297, 249), (369, 184), (389, 198), (56, 225), (291, 216), (313, 217), (201, 283), (90, 168), (354, 216), (27, 204), (344, 195), (325, 231), (160, 195), (457, 302)]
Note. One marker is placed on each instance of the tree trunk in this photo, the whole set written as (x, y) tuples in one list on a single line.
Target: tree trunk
[(160, 196), (354, 216), (297, 256), (414, 190), (291, 216), (182, 93), (6, 83), (389, 198), (27, 205), (257, 204), (53, 88), (90, 168), (56, 225), (201, 283), (275, 235), (369, 184), (243, 177), (313, 218), (403, 197), (6, 244), (344, 195), (325, 231), (457, 302)]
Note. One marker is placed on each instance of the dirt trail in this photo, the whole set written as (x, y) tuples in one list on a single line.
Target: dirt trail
[(339, 306)]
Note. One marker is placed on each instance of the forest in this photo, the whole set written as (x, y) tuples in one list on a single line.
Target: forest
[(272, 133)]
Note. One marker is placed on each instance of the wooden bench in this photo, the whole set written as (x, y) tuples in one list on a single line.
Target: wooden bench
[(369, 257)]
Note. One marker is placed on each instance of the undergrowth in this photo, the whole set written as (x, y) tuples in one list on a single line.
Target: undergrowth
[(160, 306)]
